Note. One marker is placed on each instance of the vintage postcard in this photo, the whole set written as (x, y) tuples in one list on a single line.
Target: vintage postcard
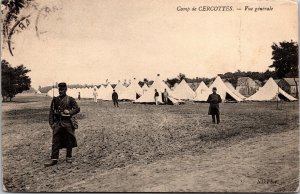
[(150, 96)]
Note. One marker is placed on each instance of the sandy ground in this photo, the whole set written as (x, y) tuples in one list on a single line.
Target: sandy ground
[(234, 168), (154, 148)]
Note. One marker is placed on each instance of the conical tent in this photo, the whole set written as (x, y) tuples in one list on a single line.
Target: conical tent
[(222, 90), (101, 91), (269, 92), (201, 88), (174, 87), (231, 87), (145, 88), (120, 89), (107, 92), (132, 91), (183, 91), (160, 86)]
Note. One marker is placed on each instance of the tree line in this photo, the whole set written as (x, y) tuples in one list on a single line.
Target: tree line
[(284, 56)]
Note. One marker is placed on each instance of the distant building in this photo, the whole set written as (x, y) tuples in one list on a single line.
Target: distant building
[(289, 85), (247, 86)]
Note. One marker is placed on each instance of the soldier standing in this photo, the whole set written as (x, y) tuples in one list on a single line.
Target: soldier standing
[(79, 96), (115, 98), (156, 95), (63, 124), (166, 96), (95, 95), (214, 99)]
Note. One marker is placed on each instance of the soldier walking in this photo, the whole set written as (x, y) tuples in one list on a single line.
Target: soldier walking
[(63, 124)]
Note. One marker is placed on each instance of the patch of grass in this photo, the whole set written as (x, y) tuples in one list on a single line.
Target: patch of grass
[(111, 137)]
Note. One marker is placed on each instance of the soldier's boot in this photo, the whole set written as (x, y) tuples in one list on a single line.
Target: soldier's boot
[(69, 155), (52, 163), (213, 119)]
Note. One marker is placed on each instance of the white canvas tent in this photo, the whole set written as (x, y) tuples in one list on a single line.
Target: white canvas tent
[(174, 87), (50, 92), (105, 92), (101, 90), (77, 90), (120, 89), (225, 93), (72, 92), (183, 91), (201, 89), (86, 92), (231, 87), (160, 86), (145, 88), (132, 91), (270, 92)]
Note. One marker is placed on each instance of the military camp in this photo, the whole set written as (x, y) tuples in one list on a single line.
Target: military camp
[(149, 96)]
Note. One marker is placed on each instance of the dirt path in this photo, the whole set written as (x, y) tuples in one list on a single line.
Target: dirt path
[(238, 167)]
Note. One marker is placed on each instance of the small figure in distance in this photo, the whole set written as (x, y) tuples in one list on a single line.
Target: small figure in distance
[(95, 95), (214, 99), (166, 96), (79, 96), (156, 95), (115, 98)]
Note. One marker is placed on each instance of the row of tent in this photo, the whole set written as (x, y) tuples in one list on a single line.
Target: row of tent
[(182, 92)]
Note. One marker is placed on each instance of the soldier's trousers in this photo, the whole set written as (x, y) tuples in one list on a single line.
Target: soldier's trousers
[(214, 116), (55, 152), (56, 144), (116, 103)]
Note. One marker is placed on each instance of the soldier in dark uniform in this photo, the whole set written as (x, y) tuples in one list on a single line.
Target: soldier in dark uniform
[(79, 96), (115, 98), (61, 120), (214, 99)]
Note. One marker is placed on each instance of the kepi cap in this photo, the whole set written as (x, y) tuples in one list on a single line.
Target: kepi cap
[(62, 85)]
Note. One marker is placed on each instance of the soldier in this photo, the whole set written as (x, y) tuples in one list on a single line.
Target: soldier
[(166, 96), (63, 124), (115, 98), (95, 94), (156, 95), (79, 96), (214, 99)]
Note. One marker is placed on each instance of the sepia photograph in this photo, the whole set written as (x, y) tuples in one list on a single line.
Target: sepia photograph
[(149, 96)]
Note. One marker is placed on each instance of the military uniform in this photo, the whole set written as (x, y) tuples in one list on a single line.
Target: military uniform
[(63, 126), (166, 97), (214, 99), (156, 95), (115, 98)]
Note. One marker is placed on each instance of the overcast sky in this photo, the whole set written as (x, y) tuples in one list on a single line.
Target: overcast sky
[(91, 41)]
